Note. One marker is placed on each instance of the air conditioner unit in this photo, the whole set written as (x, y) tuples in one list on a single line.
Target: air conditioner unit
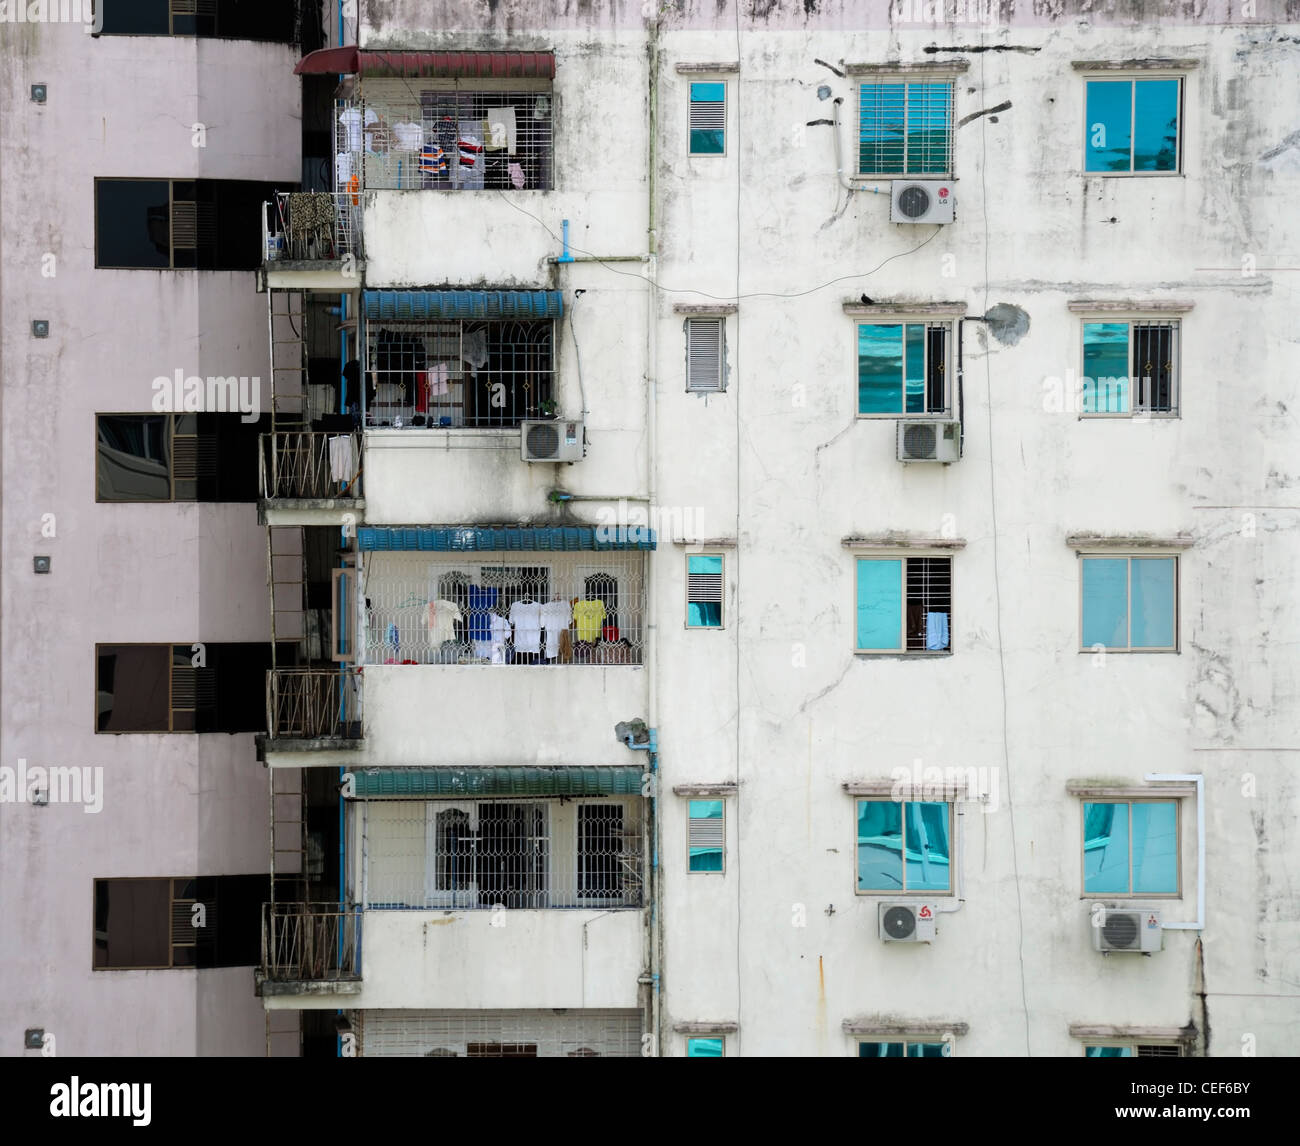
[(929, 441), (907, 922), (1135, 930), (559, 440), (930, 201)]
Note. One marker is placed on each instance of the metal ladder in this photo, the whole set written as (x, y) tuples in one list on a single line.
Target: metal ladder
[(286, 328)]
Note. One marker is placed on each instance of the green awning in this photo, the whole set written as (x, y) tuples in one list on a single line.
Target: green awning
[(570, 780), (504, 538)]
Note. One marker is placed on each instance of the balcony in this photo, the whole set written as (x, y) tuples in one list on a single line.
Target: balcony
[(312, 711), (310, 479), (312, 240), (310, 949)]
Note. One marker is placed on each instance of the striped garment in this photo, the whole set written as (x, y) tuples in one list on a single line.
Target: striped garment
[(433, 160)]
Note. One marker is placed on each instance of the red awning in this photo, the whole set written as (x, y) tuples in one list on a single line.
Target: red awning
[(444, 65)]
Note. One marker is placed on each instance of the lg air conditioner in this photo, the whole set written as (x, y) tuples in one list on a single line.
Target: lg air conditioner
[(928, 201), (929, 441), (558, 440), (1135, 930), (907, 922)]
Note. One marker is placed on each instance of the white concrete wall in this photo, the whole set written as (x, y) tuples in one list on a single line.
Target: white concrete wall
[(778, 701), (529, 959), (173, 805)]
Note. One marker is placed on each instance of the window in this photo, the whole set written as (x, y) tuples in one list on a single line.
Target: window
[(1130, 367), (704, 591), (705, 340), (447, 135), (150, 923), (904, 604), (705, 835), (270, 20), (204, 224), (1130, 604), (1132, 1050), (902, 1050), (1130, 848), (459, 374), (905, 128), (705, 1048), (159, 688), (708, 128), (903, 847), (600, 852), (1133, 125), (177, 457), (903, 368)]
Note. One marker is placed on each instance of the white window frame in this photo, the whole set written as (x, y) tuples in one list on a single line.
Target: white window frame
[(1129, 554), (905, 320), (1133, 318), (1131, 74)]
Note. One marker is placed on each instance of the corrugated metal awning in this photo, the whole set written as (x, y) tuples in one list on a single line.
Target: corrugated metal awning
[(507, 538), (573, 780), (416, 304), (350, 61)]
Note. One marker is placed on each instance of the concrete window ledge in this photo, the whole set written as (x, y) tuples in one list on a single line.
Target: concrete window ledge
[(898, 1028), (1128, 541), (706, 542), (709, 67), (939, 309), (1147, 65), (1129, 306), (1110, 1031), (706, 1028), (727, 788), (1090, 789), (705, 309), (919, 655), (899, 540), (908, 790), (921, 67)]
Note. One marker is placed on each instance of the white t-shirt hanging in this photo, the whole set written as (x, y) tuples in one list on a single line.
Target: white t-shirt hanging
[(443, 616), (408, 136), (351, 121), (556, 617), (494, 648), (526, 616)]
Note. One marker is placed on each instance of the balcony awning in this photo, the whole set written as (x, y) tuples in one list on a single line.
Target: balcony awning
[(452, 304), (351, 61), (507, 538), (574, 780)]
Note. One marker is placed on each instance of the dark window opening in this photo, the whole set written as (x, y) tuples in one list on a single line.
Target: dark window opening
[(178, 457), (929, 603), (265, 20)]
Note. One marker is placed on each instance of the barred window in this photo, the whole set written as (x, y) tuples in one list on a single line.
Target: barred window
[(905, 128), (1130, 367), (904, 604), (458, 374)]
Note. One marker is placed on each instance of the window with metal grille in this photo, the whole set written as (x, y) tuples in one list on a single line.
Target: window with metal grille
[(706, 836), (904, 604), (704, 591), (1130, 367), (485, 609), (1133, 1050), (560, 1033), (705, 339), (903, 368), (1133, 126), (905, 128), (458, 374), (708, 118), (514, 853), (452, 135)]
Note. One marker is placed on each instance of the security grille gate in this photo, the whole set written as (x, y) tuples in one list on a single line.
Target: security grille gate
[(499, 1034)]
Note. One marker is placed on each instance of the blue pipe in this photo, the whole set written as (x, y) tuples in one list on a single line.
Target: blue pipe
[(566, 257)]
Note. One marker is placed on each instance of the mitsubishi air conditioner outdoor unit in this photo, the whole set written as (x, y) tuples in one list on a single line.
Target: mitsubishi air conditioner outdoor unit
[(907, 922), (930, 201), (1134, 930), (558, 440), (929, 441)]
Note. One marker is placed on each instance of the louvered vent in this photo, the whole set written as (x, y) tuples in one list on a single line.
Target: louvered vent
[(704, 354), (704, 588), (705, 832), (194, 225)]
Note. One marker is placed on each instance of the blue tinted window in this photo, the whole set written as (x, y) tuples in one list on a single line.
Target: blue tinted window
[(903, 846), (880, 603), (904, 128), (1105, 368), (1155, 125), (703, 1048), (706, 835), (704, 592), (708, 118), (880, 369), (1108, 1052), (880, 845), (925, 1050), (1108, 132), (1152, 580), (1155, 848), (1105, 602), (927, 847), (1105, 849), (880, 1050)]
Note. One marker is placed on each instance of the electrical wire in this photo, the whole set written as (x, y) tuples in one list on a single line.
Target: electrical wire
[(736, 552), (717, 297)]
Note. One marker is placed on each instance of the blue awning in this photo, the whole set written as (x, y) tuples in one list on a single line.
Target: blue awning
[(498, 538), (459, 304), (574, 780)]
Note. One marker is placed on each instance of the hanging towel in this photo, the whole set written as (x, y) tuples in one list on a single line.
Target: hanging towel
[(438, 375), (341, 467), (516, 175), (501, 129), (409, 136), (936, 631)]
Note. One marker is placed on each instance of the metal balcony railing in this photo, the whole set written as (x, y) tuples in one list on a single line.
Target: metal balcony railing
[(313, 704), (322, 226), (310, 465), (311, 942)]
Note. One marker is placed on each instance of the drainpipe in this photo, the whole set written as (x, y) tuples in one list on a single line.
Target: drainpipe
[(1199, 781), (652, 631)]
